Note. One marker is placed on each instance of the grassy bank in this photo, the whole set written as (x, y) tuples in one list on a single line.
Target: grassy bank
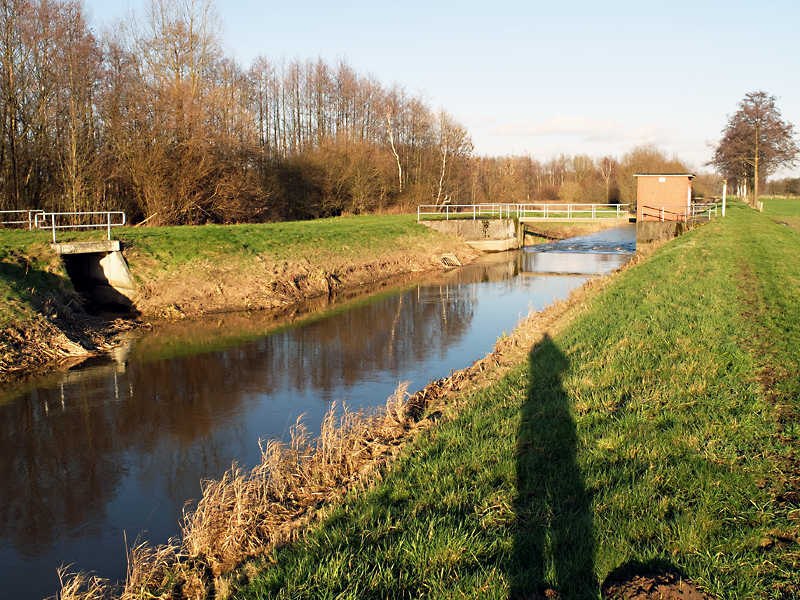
[(653, 427)]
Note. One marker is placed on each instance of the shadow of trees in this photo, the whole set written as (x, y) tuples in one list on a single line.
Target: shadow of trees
[(554, 546)]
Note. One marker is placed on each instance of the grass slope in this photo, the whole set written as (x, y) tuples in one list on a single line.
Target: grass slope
[(27, 266), (656, 431)]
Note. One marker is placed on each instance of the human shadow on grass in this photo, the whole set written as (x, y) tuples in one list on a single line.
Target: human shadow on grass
[(554, 541)]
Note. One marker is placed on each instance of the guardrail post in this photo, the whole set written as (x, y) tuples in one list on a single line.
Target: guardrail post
[(53, 217)]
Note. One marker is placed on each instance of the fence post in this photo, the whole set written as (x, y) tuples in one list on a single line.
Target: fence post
[(53, 217)]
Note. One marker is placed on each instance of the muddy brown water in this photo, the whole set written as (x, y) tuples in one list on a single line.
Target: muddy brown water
[(112, 449)]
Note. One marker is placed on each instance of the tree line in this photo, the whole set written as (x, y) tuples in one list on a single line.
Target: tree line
[(152, 118)]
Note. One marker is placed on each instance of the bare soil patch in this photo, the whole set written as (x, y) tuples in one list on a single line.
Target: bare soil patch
[(653, 586), (30, 348)]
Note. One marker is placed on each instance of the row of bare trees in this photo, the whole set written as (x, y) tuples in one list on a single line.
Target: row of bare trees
[(580, 178), (153, 118)]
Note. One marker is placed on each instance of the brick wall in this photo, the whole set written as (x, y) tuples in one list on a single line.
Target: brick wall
[(656, 191)]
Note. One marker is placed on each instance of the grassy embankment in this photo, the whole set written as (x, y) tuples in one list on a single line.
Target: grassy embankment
[(654, 429), (194, 270)]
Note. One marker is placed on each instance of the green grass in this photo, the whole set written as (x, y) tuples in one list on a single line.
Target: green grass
[(29, 272), (350, 237), (648, 435)]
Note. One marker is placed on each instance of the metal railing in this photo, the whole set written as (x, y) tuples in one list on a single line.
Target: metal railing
[(527, 211), (680, 213), (96, 220), (30, 221)]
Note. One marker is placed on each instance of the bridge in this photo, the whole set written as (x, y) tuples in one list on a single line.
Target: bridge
[(620, 213)]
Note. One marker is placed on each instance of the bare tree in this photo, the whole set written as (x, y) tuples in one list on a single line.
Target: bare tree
[(755, 142), (453, 142), (607, 167)]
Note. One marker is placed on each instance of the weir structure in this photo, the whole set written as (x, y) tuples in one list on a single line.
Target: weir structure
[(500, 227)]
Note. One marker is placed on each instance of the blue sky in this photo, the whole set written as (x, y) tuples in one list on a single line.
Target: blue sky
[(543, 78)]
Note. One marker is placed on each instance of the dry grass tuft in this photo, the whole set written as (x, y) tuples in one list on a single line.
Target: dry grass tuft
[(243, 513), (80, 586), (149, 568)]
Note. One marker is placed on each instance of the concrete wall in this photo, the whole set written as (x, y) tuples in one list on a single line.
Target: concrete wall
[(657, 231), (487, 235), (99, 270)]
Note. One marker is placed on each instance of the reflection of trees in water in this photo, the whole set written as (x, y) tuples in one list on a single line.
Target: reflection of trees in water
[(58, 466), (64, 450), (388, 336)]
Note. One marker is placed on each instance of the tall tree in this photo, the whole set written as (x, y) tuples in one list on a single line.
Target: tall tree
[(755, 142)]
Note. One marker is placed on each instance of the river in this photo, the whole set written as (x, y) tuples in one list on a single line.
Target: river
[(113, 448)]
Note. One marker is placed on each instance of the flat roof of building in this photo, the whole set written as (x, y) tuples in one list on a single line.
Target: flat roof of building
[(689, 175)]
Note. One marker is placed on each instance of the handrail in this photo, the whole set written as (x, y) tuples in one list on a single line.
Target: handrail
[(680, 212), (30, 220), (43, 223), (544, 210)]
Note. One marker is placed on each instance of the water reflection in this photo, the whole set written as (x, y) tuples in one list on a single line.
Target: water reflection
[(119, 444)]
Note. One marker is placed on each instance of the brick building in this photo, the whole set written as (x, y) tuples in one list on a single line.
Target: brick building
[(663, 196)]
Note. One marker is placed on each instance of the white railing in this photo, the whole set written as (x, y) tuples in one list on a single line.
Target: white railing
[(679, 212), (80, 220), (13, 213), (707, 209), (527, 211)]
